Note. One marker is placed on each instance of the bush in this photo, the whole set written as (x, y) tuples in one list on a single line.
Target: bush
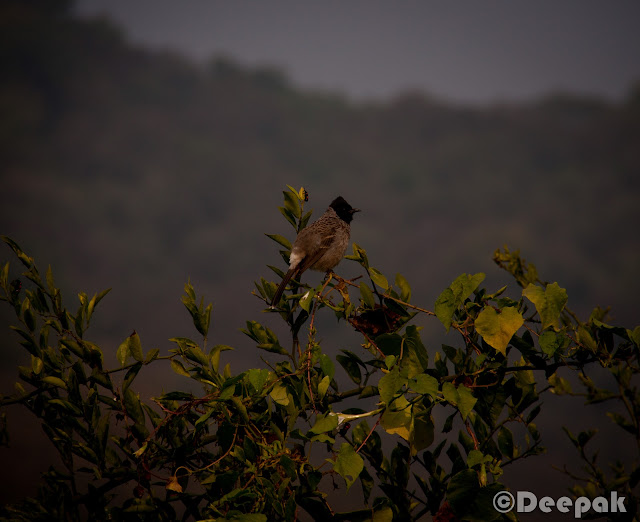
[(242, 450)]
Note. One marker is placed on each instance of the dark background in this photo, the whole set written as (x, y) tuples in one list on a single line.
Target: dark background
[(139, 153)]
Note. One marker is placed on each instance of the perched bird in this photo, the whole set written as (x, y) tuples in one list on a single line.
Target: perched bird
[(321, 245)]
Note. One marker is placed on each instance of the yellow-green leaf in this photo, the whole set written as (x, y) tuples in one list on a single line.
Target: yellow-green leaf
[(279, 394), (405, 289), (367, 295), (36, 364), (425, 383), (497, 329), (324, 424), (172, 485), (135, 347), (123, 352), (548, 302), (460, 397), (55, 381), (378, 278), (454, 296), (396, 418), (349, 464), (178, 367), (323, 386)]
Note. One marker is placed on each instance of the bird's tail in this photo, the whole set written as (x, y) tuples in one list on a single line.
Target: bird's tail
[(285, 280)]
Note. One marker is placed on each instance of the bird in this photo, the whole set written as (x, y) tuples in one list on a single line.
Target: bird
[(321, 245)]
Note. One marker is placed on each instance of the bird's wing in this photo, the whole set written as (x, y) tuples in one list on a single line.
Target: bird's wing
[(310, 260), (304, 264)]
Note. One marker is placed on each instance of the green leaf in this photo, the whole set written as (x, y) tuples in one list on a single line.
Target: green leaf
[(206, 319), (131, 375), (425, 384), (36, 364), (474, 458), (204, 417), (397, 418), (622, 421), (415, 359), (133, 407), (421, 433), (279, 394), (359, 255), (450, 393), (28, 315), (68, 407), (505, 442), (254, 517), (585, 338), (55, 381), (24, 258), (351, 366), (390, 385), (135, 347), (560, 385), (273, 348), (326, 365), (405, 289), (123, 352), (50, 282), (323, 386), (367, 296), (460, 397), (378, 278), (94, 302), (173, 485), (349, 464), (454, 296), (497, 329), (548, 302), (634, 335), (292, 204), (179, 368), (281, 240), (306, 300), (550, 342), (288, 216), (304, 220), (141, 450), (152, 355), (258, 378), (324, 423)]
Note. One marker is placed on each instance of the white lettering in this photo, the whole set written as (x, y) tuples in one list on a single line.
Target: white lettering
[(600, 505), (526, 502), (564, 504), (545, 504), (617, 504), (526, 495), (583, 504)]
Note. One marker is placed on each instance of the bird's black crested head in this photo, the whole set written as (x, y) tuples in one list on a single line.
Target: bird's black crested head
[(343, 209)]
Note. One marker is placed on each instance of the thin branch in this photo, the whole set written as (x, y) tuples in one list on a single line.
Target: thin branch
[(368, 435)]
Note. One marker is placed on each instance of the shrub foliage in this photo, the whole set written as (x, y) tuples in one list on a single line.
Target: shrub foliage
[(272, 443)]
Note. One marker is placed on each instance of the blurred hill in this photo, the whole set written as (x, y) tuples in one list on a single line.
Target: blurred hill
[(136, 170)]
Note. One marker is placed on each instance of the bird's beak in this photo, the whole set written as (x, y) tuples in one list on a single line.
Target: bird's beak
[(354, 210)]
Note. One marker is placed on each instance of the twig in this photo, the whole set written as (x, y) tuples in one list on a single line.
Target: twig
[(476, 444), (368, 435)]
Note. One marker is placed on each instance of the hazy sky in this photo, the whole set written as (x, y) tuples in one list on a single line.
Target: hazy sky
[(462, 51)]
